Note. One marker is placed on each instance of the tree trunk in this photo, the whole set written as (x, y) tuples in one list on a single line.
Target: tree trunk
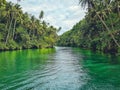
[(14, 29), (9, 30), (108, 30)]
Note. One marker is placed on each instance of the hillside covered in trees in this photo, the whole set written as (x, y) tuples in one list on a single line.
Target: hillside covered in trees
[(19, 30), (99, 30)]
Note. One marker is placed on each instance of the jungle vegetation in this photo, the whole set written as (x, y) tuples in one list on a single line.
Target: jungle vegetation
[(19, 30), (99, 30)]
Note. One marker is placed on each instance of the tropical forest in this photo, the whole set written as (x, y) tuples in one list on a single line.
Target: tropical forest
[(20, 30), (59, 44), (99, 30)]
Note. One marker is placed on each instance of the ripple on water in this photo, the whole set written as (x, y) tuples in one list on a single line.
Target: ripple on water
[(65, 69)]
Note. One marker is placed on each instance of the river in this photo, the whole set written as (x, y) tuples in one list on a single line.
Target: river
[(61, 68)]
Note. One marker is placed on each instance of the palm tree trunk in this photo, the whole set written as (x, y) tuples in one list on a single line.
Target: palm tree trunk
[(9, 30), (118, 8), (14, 29), (108, 30)]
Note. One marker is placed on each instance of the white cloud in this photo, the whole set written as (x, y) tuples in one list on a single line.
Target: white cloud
[(74, 8), (60, 13)]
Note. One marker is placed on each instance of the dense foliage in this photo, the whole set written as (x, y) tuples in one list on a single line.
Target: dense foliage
[(19, 30), (99, 30)]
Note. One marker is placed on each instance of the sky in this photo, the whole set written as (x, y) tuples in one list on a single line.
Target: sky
[(59, 13)]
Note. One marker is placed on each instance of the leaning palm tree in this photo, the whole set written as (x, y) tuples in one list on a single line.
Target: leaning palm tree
[(107, 5), (17, 16), (93, 5), (10, 14)]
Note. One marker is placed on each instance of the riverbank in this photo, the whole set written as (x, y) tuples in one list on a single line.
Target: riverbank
[(22, 48), (110, 52), (99, 30), (20, 30)]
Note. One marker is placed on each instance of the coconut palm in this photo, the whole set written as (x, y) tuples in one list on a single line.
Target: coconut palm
[(10, 14), (88, 3), (17, 16), (41, 15), (94, 6)]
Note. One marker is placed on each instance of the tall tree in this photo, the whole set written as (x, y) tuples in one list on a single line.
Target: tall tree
[(88, 3), (93, 6), (41, 15)]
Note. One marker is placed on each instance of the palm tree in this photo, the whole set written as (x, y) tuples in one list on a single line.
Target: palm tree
[(88, 3), (41, 15), (10, 14), (107, 5), (33, 19), (93, 5), (59, 29), (17, 16)]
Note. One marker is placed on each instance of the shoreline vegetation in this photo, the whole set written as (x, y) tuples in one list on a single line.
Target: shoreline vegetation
[(19, 30), (99, 30)]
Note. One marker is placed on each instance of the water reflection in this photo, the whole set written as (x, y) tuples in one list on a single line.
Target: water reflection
[(104, 70), (23, 60), (61, 68), (19, 64)]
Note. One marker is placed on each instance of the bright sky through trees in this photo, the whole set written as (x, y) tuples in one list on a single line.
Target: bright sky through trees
[(60, 13)]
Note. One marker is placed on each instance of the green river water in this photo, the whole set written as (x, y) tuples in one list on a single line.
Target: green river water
[(61, 68)]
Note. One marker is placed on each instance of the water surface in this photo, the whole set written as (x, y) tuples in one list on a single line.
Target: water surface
[(62, 68)]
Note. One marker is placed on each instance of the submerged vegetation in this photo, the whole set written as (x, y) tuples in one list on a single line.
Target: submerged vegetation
[(19, 30), (99, 30)]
